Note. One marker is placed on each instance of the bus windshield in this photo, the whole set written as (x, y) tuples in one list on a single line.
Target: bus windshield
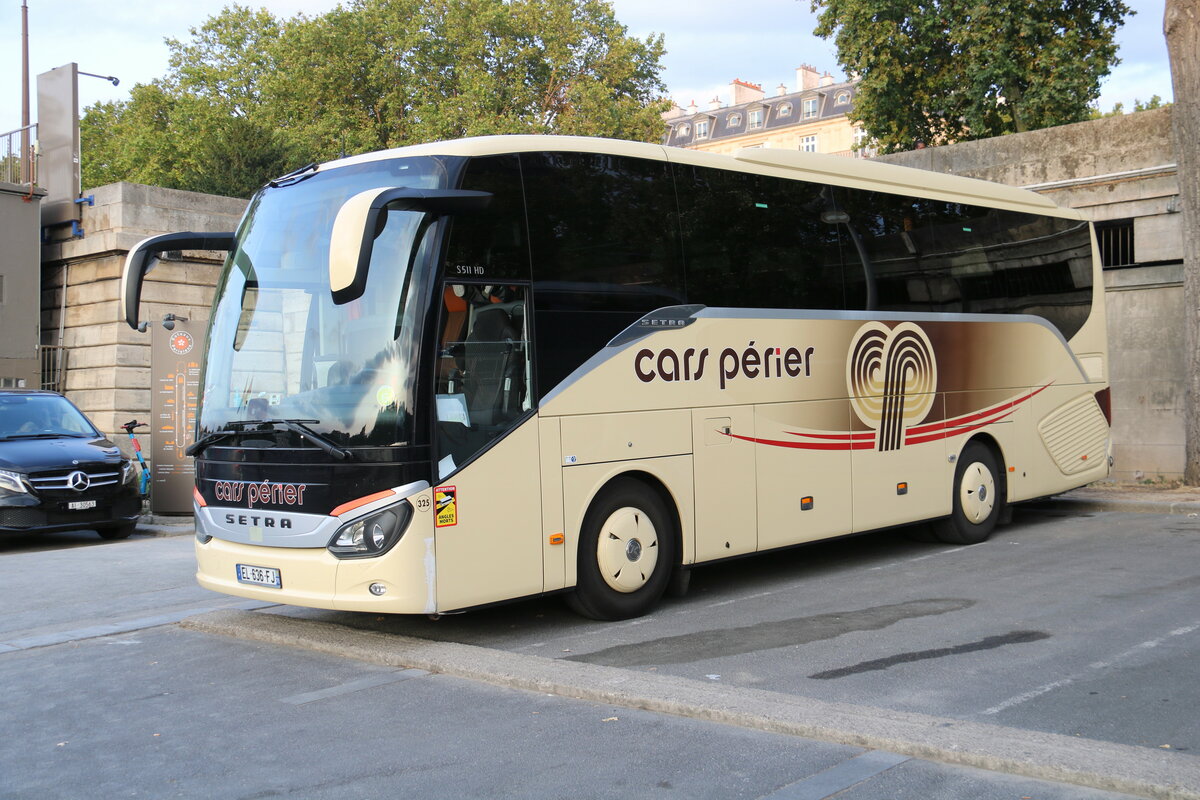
[(279, 348)]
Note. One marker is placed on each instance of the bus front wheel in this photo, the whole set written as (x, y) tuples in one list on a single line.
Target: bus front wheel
[(977, 498), (626, 553)]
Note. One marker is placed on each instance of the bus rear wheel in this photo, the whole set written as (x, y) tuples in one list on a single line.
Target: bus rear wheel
[(977, 498), (626, 553)]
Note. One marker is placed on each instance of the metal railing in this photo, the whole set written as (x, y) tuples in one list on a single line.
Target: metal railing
[(54, 367), (1116, 243), (19, 156)]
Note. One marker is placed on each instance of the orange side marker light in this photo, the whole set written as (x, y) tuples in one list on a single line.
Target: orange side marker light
[(557, 538)]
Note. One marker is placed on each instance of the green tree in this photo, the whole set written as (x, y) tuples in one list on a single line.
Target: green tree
[(934, 71), (249, 95), (1118, 109)]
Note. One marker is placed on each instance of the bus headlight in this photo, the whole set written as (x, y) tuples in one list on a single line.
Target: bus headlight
[(372, 535)]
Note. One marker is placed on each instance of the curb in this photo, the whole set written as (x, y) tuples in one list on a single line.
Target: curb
[(161, 525), (1046, 756), (1187, 508)]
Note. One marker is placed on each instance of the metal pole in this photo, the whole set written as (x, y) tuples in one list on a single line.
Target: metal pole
[(26, 155)]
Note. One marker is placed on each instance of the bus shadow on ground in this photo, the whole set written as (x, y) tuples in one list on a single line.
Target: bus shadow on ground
[(728, 580)]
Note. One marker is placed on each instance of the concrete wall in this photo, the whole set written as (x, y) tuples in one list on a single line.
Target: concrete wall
[(1110, 169), (19, 231), (108, 369)]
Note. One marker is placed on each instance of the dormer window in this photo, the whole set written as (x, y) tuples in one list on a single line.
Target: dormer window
[(842, 98), (683, 130), (702, 130), (735, 120), (808, 108), (756, 119), (785, 110)]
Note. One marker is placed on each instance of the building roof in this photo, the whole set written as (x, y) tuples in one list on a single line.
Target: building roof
[(780, 111)]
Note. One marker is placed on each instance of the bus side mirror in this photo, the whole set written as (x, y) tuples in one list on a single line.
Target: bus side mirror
[(362, 218), (143, 256)]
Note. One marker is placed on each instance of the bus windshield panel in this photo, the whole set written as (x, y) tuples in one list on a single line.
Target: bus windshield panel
[(280, 348)]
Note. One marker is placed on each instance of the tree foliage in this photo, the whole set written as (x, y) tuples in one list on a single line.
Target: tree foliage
[(249, 96), (935, 71), (1118, 109)]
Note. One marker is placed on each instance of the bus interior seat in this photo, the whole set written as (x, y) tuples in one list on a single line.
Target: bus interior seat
[(492, 364)]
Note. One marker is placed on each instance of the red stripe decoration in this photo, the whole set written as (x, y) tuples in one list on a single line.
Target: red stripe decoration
[(920, 434), (865, 445)]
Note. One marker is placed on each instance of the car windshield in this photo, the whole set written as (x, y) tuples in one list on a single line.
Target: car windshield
[(41, 415), (278, 346)]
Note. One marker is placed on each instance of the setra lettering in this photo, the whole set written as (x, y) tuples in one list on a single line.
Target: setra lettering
[(257, 521)]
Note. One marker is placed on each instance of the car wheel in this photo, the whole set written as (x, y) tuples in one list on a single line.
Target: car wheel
[(122, 531), (626, 553)]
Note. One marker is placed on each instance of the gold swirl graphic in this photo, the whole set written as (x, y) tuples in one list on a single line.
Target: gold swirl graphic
[(892, 377)]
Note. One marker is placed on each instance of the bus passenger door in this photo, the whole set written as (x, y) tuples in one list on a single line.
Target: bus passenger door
[(486, 450), (723, 466)]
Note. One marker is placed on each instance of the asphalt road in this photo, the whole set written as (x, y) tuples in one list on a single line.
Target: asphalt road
[(1065, 634), (1083, 625)]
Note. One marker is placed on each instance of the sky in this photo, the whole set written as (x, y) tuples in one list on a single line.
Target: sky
[(707, 43)]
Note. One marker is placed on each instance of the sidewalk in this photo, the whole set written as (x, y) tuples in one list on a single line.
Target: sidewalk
[(1144, 498), (166, 525)]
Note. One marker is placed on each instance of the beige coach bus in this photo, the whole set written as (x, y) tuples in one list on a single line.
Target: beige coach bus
[(455, 374)]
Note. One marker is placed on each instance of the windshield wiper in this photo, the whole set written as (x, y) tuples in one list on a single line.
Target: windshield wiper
[(43, 435), (295, 176), (298, 426)]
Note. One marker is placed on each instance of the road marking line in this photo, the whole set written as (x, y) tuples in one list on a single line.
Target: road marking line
[(840, 777), (902, 562), (369, 682), (1025, 697), (740, 599)]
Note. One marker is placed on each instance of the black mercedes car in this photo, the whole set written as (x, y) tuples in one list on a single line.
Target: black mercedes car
[(58, 473)]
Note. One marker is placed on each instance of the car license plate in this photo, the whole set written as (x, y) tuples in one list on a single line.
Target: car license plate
[(259, 576), (80, 505)]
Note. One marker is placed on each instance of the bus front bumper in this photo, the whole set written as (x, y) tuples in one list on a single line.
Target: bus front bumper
[(403, 578)]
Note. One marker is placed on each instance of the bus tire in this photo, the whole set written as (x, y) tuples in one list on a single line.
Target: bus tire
[(626, 553), (977, 496)]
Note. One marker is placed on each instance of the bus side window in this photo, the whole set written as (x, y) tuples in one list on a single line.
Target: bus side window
[(490, 243), (604, 244), (754, 241), (483, 372)]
